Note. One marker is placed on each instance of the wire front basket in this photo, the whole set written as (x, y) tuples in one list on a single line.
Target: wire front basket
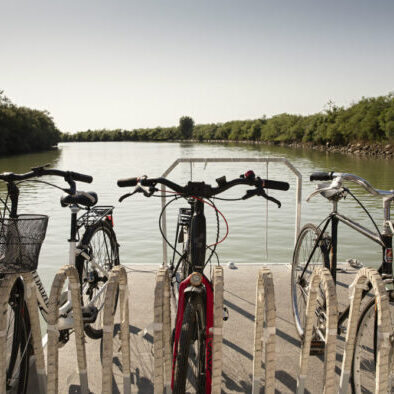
[(20, 242)]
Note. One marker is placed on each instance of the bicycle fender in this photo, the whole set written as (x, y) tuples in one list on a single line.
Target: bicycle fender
[(194, 289)]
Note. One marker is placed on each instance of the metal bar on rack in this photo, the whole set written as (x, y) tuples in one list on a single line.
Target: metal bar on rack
[(67, 272), (264, 334), (6, 285), (365, 276), (218, 290), (236, 160), (32, 306), (162, 333), (320, 277), (117, 280)]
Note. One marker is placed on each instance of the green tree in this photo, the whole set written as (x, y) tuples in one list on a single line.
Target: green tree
[(186, 126)]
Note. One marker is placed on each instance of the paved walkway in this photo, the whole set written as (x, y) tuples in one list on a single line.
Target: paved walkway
[(238, 336)]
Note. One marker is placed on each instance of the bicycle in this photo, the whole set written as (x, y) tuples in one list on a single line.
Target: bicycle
[(315, 247), (21, 236), (191, 289)]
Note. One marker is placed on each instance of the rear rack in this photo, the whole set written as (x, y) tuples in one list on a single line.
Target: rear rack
[(94, 215)]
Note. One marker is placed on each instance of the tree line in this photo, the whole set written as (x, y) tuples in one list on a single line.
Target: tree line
[(368, 120), (24, 130)]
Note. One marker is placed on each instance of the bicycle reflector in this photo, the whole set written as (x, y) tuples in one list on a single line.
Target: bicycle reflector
[(196, 279), (111, 220)]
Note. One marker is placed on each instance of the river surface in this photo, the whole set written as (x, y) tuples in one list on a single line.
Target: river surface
[(254, 236)]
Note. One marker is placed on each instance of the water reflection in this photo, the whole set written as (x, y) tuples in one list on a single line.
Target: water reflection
[(136, 220), (23, 163)]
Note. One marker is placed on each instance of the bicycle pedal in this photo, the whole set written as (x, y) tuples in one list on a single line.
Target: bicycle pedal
[(317, 347), (89, 314)]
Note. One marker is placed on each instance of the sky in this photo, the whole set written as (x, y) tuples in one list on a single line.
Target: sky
[(131, 64)]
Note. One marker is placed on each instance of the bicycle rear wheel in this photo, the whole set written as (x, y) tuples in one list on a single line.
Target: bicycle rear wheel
[(190, 360), (100, 241), (17, 342), (300, 279), (365, 352)]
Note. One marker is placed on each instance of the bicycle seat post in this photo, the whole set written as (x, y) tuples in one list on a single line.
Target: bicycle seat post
[(73, 240), (13, 191)]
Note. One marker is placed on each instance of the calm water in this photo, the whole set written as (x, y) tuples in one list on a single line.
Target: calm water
[(136, 219)]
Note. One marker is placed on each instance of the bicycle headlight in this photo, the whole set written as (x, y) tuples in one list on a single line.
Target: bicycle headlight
[(195, 279)]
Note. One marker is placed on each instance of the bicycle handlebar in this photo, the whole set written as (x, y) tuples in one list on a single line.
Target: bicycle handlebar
[(201, 189), (328, 176), (40, 171)]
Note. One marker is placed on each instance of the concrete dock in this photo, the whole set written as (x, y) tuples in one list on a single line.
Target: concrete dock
[(239, 298)]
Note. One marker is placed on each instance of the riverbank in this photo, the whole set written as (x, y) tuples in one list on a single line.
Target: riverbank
[(359, 149)]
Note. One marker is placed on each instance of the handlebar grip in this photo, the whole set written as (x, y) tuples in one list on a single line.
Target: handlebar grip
[(277, 185), (127, 182), (81, 177), (321, 176)]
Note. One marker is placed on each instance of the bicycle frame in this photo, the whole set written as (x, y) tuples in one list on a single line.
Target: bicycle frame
[(65, 321), (385, 241), (197, 232)]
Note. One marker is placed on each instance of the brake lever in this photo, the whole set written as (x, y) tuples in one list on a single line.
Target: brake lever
[(126, 196), (139, 189), (38, 170), (250, 193), (262, 193)]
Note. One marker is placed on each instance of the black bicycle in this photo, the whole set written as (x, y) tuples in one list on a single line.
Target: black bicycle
[(93, 250), (192, 290), (315, 247)]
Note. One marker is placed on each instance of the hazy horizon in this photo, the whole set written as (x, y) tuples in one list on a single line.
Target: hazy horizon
[(128, 64)]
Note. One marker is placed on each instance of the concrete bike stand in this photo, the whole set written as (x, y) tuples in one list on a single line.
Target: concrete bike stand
[(320, 276), (6, 286), (218, 288), (70, 272), (264, 337), (162, 333), (117, 279), (364, 276)]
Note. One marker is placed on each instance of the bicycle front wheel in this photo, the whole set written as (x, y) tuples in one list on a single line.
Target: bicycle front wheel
[(365, 352), (100, 242), (17, 342), (190, 360), (301, 273)]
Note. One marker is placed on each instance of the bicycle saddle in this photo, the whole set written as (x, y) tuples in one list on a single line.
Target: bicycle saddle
[(87, 199)]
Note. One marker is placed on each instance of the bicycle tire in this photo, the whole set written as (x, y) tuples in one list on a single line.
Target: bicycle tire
[(363, 375), (300, 289), (190, 360), (100, 241), (17, 342)]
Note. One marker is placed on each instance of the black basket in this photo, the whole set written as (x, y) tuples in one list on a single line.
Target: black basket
[(20, 243)]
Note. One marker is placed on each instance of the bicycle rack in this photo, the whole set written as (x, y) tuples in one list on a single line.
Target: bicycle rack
[(320, 276), (233, 160), (217, 329), (6, 286), (117, 279), (365, 276), (264, 337), (70, 272)]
